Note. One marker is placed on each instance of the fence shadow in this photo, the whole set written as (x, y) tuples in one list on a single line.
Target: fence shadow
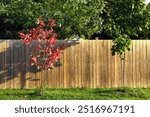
[(13, 65), (15, 70)]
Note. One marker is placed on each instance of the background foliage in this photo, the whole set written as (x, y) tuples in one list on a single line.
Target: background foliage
[(120, 20), (79, 17), (17, 15)]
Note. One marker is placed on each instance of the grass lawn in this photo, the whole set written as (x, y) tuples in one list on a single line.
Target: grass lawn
[(77, 94)]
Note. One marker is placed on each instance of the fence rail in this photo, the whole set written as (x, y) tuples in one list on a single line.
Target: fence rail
[(84, 64)]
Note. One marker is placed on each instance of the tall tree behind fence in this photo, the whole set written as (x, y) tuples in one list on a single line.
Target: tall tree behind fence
[(83, 64)]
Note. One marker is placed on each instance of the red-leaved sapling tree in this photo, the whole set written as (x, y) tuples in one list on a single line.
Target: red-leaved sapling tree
[(43, 39)]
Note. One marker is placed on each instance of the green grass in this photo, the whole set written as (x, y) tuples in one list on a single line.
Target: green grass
[(76, 94)]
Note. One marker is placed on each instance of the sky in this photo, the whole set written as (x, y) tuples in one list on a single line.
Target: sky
[(147, 1)]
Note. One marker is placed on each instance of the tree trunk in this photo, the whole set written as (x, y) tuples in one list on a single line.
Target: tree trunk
[(123, 70)]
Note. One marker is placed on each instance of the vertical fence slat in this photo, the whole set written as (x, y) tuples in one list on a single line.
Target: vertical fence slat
[(148, 63), (109, 64), (133, 64), (141, 64), (97, 63), (144, 63)]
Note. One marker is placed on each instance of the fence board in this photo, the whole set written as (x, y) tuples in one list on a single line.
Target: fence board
[(148, 63), (2, 65)]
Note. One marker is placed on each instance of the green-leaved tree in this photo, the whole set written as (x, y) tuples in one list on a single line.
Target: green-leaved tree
[(124, 19)]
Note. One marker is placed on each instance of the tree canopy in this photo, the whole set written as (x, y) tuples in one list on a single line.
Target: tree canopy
[(78, 17), (123, 20)]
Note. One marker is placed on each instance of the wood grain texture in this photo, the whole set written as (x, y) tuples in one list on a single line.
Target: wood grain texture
[(86, 63)]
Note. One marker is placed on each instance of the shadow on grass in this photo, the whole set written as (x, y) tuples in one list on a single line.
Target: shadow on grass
[(121, 92)]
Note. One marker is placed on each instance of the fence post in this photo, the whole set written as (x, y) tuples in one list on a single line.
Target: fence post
[(123, 70)]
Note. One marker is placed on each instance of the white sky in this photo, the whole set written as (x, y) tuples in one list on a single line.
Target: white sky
[(147, 1)]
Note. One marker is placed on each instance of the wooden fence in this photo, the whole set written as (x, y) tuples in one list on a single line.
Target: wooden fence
[(83, 64)]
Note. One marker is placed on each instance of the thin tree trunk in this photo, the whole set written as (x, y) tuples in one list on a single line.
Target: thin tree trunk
[(123, 70)]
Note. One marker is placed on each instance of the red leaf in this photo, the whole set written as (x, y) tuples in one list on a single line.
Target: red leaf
[(34, 59), (22, 35), (52, 22), (52, 40), (49, 64), (38, 48)]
